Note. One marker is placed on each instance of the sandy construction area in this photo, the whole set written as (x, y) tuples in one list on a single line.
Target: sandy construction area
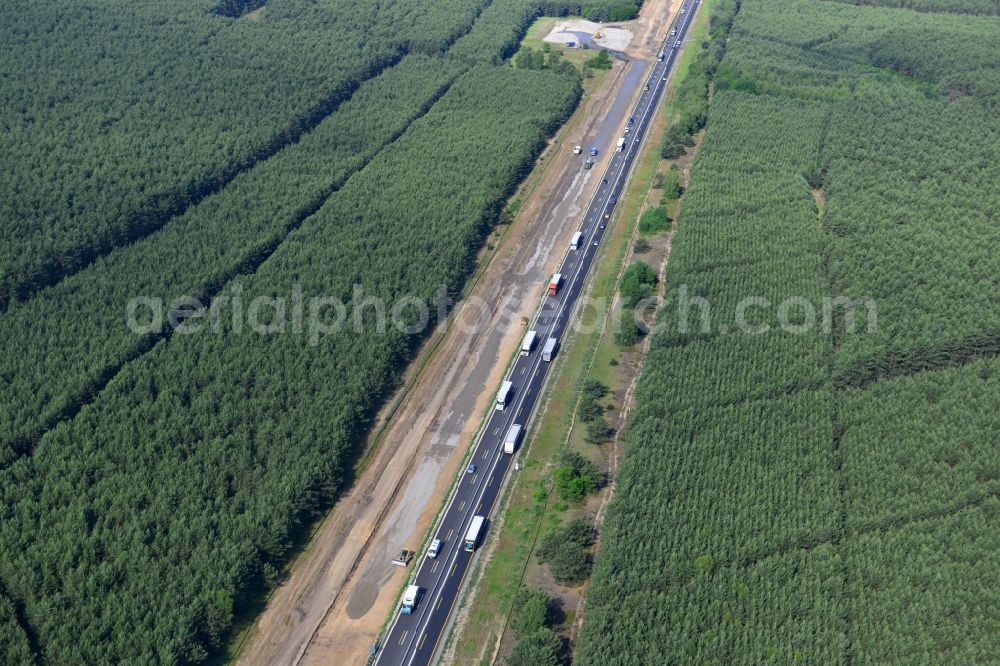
[(612, 37)]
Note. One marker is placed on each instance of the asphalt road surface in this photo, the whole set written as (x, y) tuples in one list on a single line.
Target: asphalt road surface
[(413, 638)]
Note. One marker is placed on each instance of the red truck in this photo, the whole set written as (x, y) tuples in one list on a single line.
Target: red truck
[(554, 284)]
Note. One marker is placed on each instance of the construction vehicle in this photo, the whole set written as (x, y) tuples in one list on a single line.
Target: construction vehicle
[(403, 559)]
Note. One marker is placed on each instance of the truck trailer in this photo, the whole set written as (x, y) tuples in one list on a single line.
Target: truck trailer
[(510, 441), (577, 240), (503, 395), (549, 350), (554, 284), (621, 144), (410, 598), (528, 343), (472, 536)]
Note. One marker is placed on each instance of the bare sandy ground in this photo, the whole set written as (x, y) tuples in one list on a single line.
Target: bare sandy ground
[(640, 38), (614, 38), (651, 27)]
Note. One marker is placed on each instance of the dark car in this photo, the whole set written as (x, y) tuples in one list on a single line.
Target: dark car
[(471, 469), (614, 200)]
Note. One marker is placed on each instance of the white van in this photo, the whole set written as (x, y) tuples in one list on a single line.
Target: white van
[(432, 552)]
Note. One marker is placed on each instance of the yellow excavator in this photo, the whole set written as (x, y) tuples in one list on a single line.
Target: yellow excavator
[(597, 35)]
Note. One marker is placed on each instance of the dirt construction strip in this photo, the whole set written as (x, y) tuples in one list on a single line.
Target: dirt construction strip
[(341, 589)]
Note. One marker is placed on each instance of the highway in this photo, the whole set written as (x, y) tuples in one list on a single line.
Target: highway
[(413, 639)]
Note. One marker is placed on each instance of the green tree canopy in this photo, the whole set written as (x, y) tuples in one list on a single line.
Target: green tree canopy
[(532, 611), (600, 61), (540, 648), (637, 283)]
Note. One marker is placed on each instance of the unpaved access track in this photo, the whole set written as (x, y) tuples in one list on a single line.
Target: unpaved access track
[(343, 586)]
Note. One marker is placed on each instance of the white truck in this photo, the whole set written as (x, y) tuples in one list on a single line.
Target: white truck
[(577, 240), (528, 343), (510, 441), (472, 536), (549, 350), (503, 395), (621, 144), (410, 598)]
